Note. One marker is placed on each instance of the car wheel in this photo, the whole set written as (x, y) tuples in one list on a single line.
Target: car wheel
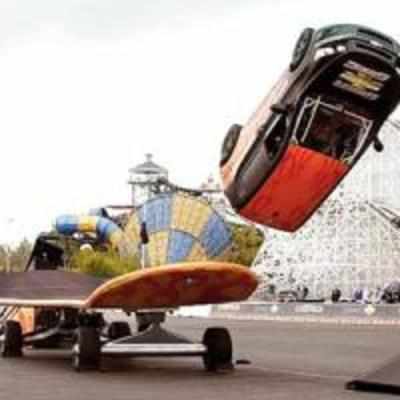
[(118, 330), (229, 144), (218, 343), (301, 48), (89, 349), (13, 340)]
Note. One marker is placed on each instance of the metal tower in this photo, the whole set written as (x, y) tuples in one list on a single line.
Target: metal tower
[(146, 179)]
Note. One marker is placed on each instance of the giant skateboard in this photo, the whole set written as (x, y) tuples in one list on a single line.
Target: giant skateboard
[(147, 292)]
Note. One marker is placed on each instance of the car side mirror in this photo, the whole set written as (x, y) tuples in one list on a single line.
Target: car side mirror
[(378, 145), (280, 108)]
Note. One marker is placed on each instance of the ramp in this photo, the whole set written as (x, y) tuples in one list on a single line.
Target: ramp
[(385, 379), (46, 288)]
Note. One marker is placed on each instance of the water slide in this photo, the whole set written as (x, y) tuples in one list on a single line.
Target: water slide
[(105, 229), (180, 228)]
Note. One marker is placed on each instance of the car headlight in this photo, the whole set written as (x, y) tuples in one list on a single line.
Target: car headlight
[(324, 52)]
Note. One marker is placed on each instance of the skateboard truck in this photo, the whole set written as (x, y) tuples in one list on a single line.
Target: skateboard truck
[(152, 341), (91, 344), (144, 319), (155, 341)]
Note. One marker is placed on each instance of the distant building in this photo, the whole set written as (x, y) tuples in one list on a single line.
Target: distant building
[(146, 180)]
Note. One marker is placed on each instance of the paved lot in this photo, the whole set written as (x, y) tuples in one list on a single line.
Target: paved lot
[(288, 361)]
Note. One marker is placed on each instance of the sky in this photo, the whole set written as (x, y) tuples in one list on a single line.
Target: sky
[(87, 87)]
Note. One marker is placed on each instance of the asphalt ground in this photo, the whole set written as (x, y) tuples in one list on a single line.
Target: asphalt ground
[(288, 361)]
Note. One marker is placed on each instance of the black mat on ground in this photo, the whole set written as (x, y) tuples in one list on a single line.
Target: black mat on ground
[(47, 285), (385, 379)]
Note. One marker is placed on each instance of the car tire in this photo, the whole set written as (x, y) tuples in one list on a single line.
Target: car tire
[(118, 330), (229, 143), (218, 345), (13, 340), (88, 353), (300, 50)]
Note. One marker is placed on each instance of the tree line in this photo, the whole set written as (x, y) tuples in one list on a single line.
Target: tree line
[(246, 242), (15, 258)]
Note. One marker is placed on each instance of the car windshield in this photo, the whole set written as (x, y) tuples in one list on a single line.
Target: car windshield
[(331, 130)]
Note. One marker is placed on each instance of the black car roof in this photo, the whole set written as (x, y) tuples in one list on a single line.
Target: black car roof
[(364, 32)]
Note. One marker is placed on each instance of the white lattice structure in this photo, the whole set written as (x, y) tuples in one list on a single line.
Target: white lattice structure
[(347, 243)]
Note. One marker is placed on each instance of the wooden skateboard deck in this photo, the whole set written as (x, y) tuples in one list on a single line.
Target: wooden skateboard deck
[(176, 285)]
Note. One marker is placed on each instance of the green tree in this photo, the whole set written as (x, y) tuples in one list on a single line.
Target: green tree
[(19, 256), (247, 240), (3, 257), (103, 264)]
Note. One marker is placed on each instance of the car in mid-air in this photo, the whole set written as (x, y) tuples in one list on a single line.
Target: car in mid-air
[(321, 116)]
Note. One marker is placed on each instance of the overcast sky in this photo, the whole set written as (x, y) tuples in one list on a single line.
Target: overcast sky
[(87, 87)]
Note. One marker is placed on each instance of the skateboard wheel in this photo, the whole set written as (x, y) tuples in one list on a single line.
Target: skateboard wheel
[(118, 329), (218, 343), (89, 349), (13, 340), (229, 143)]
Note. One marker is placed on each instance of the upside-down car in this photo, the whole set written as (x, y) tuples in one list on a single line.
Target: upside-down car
[(318, 120)]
